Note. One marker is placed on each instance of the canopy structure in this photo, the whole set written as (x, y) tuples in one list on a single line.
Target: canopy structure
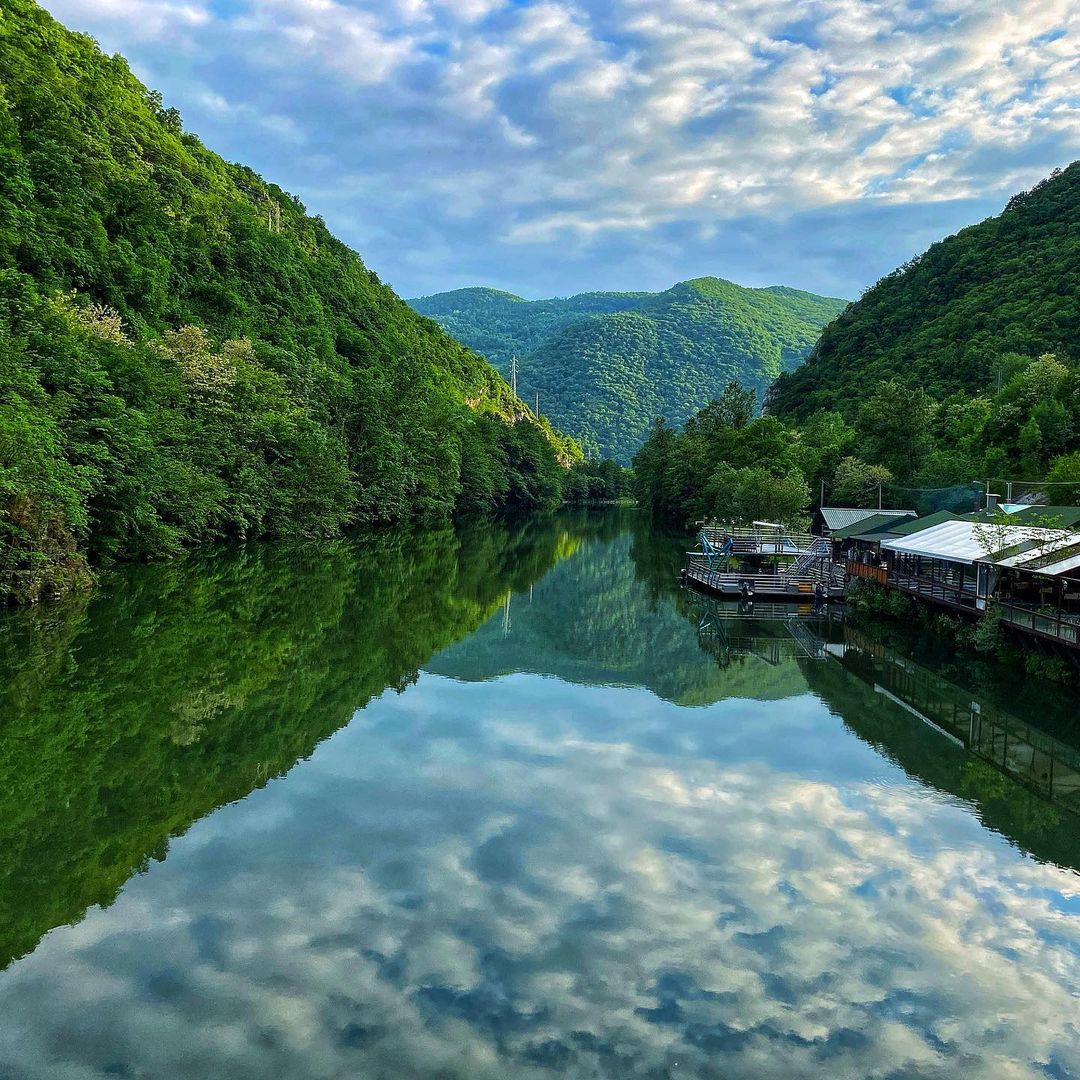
[(1068, 565), (968, 542), (1056, 556), (976, 542)]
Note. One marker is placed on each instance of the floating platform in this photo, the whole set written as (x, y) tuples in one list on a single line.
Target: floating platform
[(791, 588)]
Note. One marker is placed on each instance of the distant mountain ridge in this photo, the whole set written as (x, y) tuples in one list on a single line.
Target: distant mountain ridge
[(606, 364)]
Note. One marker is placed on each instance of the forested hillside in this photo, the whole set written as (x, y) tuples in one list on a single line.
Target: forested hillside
[(959, 370), (186, 355), (606, 365), (950, 320), (500, 325)]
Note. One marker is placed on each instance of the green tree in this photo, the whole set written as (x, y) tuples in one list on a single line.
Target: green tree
[(1065, 470), (895, 428), (858, 484)]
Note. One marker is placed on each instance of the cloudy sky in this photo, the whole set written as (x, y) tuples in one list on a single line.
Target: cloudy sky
[(556, 146)]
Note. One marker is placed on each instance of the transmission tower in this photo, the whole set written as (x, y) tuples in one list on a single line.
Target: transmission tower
[(513, 374)]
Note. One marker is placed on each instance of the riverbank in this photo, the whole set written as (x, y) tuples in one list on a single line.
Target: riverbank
[(981, 645)]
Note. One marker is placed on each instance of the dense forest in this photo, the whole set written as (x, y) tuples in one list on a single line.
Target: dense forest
[(952, 320), (729, 465), (186, 355), (961, 368), (606, 364)]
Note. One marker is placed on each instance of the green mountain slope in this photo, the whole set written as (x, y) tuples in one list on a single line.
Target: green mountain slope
[(500, 325), (1010, 284), (607, 364), (186, 355)]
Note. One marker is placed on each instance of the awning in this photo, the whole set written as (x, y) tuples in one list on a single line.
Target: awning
[(969, 542), (1037, 556), (1056, 569)]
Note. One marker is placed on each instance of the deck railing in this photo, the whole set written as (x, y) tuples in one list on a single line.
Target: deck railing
[(747, 539), (954, 593), (1057, 624)]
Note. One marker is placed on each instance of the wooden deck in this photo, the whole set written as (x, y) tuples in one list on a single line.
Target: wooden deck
[(1058, 628), (865, 570), (766, 586), (959, 597)]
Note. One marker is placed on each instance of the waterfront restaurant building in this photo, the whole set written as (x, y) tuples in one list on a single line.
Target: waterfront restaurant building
[(1032, 574)]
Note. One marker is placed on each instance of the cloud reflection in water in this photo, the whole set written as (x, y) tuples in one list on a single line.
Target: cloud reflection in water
[(569, 881)]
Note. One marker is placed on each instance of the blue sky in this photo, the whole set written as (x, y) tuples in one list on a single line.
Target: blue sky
[(557, 146)]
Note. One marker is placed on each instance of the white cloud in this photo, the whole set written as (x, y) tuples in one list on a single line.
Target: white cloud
[(570, 120), (136, 20)]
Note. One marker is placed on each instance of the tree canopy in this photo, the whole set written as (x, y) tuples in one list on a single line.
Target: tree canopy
[(186, 355), (606, 364), (949, 320)]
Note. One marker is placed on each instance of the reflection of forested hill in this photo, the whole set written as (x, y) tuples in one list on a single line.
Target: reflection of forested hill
[(598, 619), (184, 686), (1049, 831)]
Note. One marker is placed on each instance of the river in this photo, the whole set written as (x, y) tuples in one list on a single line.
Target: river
[(506, 802)]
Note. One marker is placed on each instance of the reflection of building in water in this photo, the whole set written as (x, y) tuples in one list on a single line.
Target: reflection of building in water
[(1040, 762), (728, 630), (772, 632)]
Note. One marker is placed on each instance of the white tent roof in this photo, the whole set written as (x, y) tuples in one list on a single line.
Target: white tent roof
[(1063, 566), (1037, 553), (958, 541)]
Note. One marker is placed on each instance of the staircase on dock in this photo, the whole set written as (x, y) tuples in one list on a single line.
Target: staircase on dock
[(820, 551)]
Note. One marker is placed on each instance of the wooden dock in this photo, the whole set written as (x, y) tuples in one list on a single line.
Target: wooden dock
[(791, 588)]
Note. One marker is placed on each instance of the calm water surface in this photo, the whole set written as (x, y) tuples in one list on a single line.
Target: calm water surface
[(505, 803)]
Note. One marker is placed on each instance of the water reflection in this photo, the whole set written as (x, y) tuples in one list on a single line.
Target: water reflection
[(1049, 767), (575, 845), (183, 686)]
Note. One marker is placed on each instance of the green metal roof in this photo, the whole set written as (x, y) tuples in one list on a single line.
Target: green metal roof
[(844, 517), (1054, 516), (872, 527), (927, 522)]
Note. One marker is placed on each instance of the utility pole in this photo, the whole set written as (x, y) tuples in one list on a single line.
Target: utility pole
[(879, 496), (513, 374)]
